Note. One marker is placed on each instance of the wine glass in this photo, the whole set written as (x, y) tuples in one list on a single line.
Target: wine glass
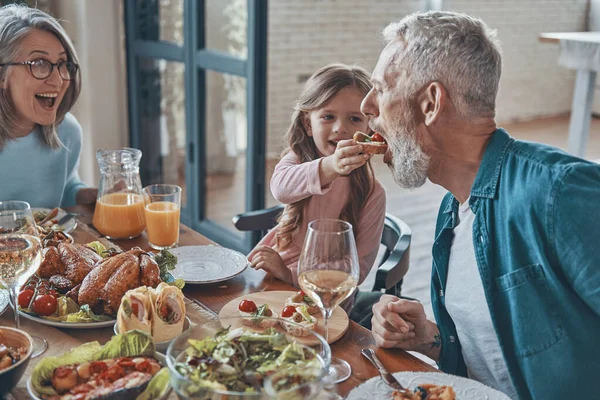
[(20, 255), (328, 272)]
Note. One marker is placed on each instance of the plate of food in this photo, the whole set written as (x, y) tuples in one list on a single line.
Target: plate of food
[(81, 286), (207, 264), (52, 224), (126, 367), (291, 306), (447, 387), (159, 312)]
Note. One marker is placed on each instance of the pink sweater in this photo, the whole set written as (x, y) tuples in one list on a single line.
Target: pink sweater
[(293, 181)]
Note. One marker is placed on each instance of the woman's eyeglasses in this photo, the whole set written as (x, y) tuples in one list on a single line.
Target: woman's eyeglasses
[(42, 69)]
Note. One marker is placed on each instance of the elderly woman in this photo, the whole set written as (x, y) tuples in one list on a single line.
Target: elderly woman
[(40, 142)]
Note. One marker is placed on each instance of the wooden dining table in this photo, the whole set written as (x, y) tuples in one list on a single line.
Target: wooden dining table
[(214, 296)]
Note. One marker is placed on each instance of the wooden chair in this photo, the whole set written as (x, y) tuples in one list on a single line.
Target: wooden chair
[(395, 238)]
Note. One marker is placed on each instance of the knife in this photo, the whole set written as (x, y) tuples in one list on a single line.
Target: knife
[(387, 378)]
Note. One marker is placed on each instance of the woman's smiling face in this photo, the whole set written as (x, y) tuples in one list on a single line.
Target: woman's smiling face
[(337, 120), (35, 100)]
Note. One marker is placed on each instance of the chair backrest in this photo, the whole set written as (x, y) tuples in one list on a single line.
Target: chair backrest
[(394, 264), (396, 239)]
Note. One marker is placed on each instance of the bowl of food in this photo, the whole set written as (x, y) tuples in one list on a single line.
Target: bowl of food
[(16, 347), (226, 358)]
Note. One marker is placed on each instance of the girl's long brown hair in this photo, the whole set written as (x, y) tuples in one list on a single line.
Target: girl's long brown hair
[(318, 91)]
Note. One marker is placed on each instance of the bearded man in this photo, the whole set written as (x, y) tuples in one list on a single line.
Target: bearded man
[(515, 281)]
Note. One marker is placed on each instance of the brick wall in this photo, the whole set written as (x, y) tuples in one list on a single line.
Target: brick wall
[(307, 34), (532, 83)]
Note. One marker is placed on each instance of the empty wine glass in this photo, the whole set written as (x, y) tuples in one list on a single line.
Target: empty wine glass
[(20, 255), (328, 272)]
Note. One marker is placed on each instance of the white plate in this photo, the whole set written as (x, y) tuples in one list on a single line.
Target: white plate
[(3, 300), (159, 357), (207, 264), (70, 325), (68, 227), (465, 389)]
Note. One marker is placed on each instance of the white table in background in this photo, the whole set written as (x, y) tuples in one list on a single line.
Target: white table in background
[(587, 63)]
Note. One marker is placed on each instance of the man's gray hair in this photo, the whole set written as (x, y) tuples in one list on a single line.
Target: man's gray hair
[(455, 49), (16, 22)]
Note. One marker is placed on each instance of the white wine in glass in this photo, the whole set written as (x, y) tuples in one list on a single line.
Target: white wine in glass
[(328, 271), (20, 255)]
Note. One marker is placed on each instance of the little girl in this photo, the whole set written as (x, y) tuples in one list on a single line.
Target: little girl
[(324, 174)]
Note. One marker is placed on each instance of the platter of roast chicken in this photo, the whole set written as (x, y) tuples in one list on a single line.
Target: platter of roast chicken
[(82, 285)]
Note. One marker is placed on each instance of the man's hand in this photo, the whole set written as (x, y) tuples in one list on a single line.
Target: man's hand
[(403, 324), (265, 258), (344, 160), (86, 196)]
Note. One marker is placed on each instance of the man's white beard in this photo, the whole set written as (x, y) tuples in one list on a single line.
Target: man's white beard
[(409, 164)]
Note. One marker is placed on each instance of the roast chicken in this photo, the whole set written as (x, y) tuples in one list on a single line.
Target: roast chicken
[(103, 288), (67, 264)]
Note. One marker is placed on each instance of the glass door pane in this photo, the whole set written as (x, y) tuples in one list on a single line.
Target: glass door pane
[(225, 147), (162, 122), (160, 20), (227, 26)]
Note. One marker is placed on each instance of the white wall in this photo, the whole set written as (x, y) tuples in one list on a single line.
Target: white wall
[(96, 29), (307, 34)]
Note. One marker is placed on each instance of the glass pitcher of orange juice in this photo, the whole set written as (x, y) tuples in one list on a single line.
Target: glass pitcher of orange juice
[(119, 212)]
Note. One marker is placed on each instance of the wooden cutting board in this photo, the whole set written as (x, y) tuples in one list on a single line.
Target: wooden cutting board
[(337, 324)]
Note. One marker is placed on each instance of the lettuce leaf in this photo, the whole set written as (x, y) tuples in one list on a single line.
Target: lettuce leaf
[(129, 344), (99, 248), (157, 386), (166, 262), (85, 314)]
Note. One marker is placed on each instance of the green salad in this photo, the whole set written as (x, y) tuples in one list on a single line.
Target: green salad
[(239, 360)]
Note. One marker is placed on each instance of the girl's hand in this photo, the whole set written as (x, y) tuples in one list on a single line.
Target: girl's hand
[(344, 160), (267, 259)]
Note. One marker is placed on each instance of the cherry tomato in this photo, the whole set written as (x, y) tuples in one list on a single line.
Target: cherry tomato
[(44, 304), (247, 306), (25, 298), (376, 137), (288, 311)]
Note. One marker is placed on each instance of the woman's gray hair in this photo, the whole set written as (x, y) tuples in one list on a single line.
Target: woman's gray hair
[(455, 49), (16, 22)]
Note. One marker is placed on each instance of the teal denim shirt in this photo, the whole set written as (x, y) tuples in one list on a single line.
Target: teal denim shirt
[(536, 235)]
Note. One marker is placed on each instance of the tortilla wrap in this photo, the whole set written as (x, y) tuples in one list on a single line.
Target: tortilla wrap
[(168, 312), (127, 319)]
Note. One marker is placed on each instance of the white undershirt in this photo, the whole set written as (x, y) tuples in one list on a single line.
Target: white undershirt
[(467, 306)]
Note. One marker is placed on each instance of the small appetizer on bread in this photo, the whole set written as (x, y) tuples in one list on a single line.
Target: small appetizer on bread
[(374, 144), (253, 315), (300, 299), (298, 315)]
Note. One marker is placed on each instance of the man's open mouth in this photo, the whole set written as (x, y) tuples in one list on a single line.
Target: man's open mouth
[(47, 100)]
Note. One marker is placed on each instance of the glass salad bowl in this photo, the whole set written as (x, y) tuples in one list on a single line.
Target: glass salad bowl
[(237, 358)]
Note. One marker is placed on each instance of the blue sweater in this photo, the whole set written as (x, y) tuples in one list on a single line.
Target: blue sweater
[(31, 171)]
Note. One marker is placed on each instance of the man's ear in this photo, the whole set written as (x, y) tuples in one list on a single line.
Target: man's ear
[(432, 102)]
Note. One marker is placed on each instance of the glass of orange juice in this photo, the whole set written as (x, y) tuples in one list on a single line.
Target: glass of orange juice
[(162, 204)]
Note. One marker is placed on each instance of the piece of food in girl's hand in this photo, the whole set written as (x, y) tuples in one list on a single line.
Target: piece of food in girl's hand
[(255, 316), (135, 311), (301, 299), (300, 316), (374, 144), (168, 312)]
